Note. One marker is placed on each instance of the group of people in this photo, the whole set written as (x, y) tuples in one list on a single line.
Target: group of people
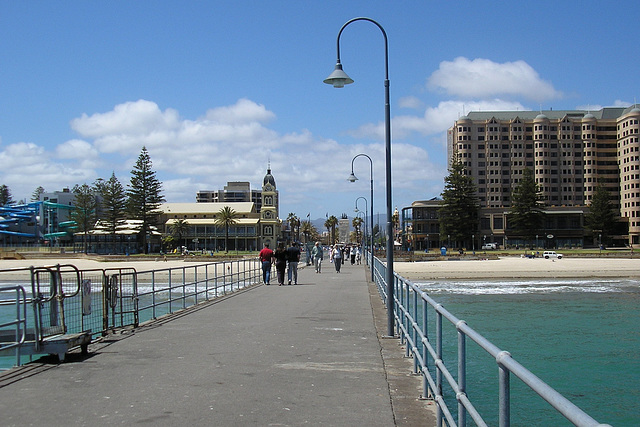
[(337, 255), (282, 258), (291, 257)]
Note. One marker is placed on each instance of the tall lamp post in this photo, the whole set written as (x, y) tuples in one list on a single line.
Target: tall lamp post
[(338, 78), (353, 178), (370, 232)]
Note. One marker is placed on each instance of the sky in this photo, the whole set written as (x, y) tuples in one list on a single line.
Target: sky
[(218, 91)]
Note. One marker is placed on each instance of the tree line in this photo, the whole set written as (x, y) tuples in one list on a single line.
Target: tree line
[(459, 213), (109, 202)]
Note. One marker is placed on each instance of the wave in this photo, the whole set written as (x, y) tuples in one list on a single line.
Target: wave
[(512, 287)]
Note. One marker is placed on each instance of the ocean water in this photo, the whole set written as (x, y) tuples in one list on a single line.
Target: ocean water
[(582, 337)]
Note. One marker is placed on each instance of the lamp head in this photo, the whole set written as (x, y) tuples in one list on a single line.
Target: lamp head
[(338, 78), (352, 178)]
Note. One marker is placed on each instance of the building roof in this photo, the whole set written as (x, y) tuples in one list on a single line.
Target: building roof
[(206, 208), (211, 221), (604, 113)]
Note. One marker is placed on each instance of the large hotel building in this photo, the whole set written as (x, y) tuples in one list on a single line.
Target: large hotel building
[(570, 152)]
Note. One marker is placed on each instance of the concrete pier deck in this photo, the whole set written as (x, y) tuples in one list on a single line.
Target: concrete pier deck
[(310, 354)]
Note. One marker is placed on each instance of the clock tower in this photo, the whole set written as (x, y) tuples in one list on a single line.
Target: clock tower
[(269, 222)]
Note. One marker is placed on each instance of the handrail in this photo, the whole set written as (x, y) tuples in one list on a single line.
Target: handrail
[(121, 297), (408, 299), (20, 321)]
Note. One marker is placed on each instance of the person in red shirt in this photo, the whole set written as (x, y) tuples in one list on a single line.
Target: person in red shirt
[(266, 256)]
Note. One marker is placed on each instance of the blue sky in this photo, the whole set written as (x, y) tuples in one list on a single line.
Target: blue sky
[(216, 90)]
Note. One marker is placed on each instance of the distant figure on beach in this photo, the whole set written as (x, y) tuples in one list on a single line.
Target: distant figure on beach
[(266, 256), (281, 262), (336, 257), (293, 258), (317, 254)]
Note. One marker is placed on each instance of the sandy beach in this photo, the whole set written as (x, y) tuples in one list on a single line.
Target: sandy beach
[(501, 268), (520, 268)]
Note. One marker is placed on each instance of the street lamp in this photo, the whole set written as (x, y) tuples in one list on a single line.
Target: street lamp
[(353, 178), (338, 78), (365, 226)]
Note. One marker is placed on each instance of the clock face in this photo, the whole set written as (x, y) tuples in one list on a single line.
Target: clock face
[(268, 187)]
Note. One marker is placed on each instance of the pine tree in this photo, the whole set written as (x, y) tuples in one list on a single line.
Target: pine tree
[(35, 196), (526, 216), (602, 218), (5, 196), (85, 210), (114, 201), (459, 211), (144, 195)]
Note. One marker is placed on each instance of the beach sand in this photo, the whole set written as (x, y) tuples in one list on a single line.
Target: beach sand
[(520, 268), (501, 268)]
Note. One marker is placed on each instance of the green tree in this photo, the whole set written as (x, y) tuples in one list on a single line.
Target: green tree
[(602, 219), (357, 225), (526, 216), (330, 224), (113, 206), (85, 210), (294, 223), (309, 231), (5, 196), (144, 196), (459, 211), (226, 218), (180, 229), (35, 196)]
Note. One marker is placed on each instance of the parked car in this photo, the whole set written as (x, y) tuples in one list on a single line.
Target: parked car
[(489, 246), (551, 254)]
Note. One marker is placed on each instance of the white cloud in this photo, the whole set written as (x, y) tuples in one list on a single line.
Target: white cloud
[(483, 78), (243, 111), (131, 118), (434, 120), (411, 102)]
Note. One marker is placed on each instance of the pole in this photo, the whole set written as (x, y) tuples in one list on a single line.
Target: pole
[(338, 79)]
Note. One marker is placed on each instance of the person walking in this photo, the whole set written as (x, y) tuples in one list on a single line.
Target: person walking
[(281, 262), (336, 257), (352, 254), (266, 256), (317, 254), (293, 258)]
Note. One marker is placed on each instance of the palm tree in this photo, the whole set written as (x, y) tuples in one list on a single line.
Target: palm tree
[(226, 218), (180, 229), (294, 223), (357, 224), (308, 230), (331, 224)]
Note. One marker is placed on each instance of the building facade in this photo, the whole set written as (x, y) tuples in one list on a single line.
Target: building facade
[(238, 191), (569, 151), (251, 230)]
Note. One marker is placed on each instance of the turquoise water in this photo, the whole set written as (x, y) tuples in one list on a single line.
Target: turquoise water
[(580, 337)]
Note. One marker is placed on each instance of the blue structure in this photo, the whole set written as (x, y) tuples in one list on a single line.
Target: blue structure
[(25, 223)]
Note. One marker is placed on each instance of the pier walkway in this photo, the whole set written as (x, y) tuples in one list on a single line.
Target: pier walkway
[(311, 354)]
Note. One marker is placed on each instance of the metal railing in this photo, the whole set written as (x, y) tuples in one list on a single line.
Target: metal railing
[(447, 385), (64, 299)]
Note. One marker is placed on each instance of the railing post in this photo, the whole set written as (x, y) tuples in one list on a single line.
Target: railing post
[(425, 351), (504, 417), (462, 374), (438, 373), (195, 284), (184, 287)]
